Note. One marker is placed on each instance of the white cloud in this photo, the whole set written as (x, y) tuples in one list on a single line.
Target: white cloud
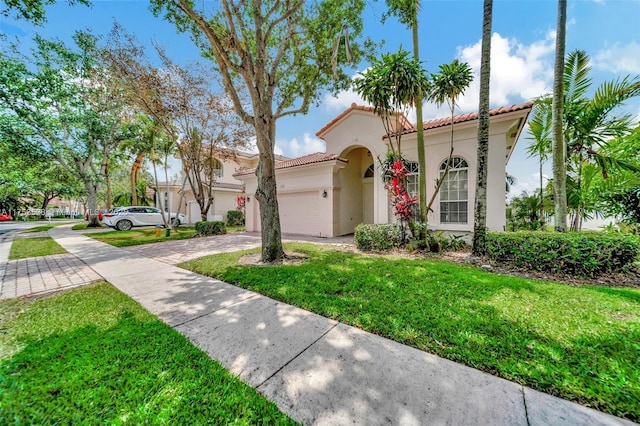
[(519, 72), (295, 148), (619, 58), (343, 101), (252, 148), (530, 184)]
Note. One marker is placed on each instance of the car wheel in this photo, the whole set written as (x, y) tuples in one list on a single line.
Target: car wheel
[(124, 225), (175, 222)]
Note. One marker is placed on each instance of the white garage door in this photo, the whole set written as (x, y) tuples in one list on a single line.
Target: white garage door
[(299, 213)]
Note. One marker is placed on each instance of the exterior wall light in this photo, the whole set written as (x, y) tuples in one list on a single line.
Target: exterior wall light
[(248, 198), (324, 194)]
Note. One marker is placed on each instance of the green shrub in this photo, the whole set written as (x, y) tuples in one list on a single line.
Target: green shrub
[(377, 237), (235, 218), (575, 253), (210, 228)]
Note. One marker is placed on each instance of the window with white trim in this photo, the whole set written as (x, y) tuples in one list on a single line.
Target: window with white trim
[(454, 192), (412, 179)]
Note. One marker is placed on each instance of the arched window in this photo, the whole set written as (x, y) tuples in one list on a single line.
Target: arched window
[(217, 168), (454, 192), (369, 172)]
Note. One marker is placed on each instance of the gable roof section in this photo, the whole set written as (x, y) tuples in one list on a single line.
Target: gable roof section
[(317, 157), (406, 124), (442, 122)]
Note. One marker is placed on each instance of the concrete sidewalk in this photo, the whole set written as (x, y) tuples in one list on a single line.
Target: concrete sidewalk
[(317, 370)]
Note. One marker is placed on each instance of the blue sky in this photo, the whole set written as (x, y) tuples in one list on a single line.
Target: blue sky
[(522, 52)]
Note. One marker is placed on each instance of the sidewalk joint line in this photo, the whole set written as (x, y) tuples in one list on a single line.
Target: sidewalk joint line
[(297, 355), (524, 401), (255, 296)]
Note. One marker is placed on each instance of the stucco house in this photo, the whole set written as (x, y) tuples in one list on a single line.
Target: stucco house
[(328, 194), (226, 188)]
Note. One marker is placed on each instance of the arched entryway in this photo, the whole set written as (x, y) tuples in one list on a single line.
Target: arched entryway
[(354, 200)]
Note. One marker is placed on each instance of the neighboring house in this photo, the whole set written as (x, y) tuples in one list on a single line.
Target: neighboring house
[(328, 194), (226, 189)]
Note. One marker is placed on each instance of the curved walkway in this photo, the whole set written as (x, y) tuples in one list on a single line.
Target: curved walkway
[(317, 370)]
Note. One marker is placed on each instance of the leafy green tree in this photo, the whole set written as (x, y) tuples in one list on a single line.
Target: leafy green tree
[(480, 211), (540, 131), (59, 104), (32, 10), (524, 212), (279, 57), (446, 87), (594, 131)]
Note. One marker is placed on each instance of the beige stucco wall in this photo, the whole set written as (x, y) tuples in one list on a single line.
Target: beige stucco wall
[(304, 210)]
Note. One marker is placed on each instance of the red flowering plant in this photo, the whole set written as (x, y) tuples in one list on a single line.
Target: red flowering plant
[(240, 202), (395, 177)]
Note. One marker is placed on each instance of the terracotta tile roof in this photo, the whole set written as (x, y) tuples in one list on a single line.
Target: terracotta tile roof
[(442, 122), (317, 157), (354, 107)]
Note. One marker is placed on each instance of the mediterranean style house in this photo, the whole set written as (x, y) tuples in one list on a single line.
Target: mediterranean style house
[(328, 194), (226, 189)]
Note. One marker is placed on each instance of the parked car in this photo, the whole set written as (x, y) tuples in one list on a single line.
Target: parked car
[(5, 216), (100, 215), (125, 218)]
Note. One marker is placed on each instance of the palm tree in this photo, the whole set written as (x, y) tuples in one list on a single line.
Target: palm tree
[(558, 141), (447, 86), (480, 211), (540, 130), (392, 85), (407, 14), (591, 127)]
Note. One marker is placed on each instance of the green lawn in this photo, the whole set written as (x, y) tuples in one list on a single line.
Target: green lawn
[(138, 236), (579, 343), (94, 356), (148, 235), (34, 247), (40, 228)]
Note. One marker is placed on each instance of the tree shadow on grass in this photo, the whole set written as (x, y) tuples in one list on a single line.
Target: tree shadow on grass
[(135, 371), (430, 307)]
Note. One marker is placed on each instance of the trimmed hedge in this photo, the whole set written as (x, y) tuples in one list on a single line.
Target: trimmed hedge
[(377, 237), (575, 253), (235, 218), (210, 228)]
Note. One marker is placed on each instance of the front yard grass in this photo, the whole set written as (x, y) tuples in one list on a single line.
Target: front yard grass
[(579, 343), (40, 228), (94, 356), (139, 236), (34, 247), (142, 236)]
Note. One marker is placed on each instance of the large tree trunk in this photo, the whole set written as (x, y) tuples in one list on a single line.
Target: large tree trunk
[(558, 142), (92, 203), (480, 211), (266, 193), (135, 173), (107, 176)]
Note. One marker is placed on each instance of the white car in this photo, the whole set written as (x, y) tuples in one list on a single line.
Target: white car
[(125, 218)]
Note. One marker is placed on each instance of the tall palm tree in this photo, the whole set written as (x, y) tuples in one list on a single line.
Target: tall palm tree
[(591, 127), (480, 211), (407, 14), (446, 87), (391, 85), (540, 131), (558, 141)]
